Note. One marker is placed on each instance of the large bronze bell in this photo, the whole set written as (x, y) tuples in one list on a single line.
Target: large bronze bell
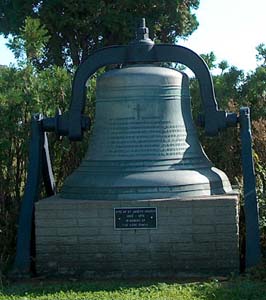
[(144, 144)]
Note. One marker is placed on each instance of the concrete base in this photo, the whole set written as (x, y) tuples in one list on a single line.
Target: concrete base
[(194, 237)]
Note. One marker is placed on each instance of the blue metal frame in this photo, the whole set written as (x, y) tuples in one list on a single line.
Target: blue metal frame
[(39, 168), (73, 123), (253, 253)]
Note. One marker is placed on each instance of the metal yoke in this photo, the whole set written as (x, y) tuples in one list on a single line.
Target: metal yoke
[(73, 123)]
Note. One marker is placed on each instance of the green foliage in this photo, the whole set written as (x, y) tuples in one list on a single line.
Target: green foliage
[(210, 59), (30, 42), (254, 92), (23, 92), (223, 65), (261, 55), (146, 290), (78, 27), (258, 272)]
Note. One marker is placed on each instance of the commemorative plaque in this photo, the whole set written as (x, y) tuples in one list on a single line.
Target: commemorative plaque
[(135, 218)]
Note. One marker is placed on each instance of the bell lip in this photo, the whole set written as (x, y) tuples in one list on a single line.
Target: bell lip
[(183, 197), (58, 197), (136, 184)]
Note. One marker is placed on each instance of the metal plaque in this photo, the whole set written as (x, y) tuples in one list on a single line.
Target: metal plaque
[(135, 218)]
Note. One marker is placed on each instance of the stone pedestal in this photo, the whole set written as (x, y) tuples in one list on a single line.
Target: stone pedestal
[(194, 237)]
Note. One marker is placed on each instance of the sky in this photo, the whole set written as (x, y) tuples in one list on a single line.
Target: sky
[(230, 28)]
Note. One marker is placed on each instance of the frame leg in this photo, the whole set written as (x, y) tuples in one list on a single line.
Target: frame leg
[(253, 253)]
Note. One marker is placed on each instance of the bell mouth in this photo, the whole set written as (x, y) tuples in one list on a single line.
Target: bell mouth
[(149, 185)]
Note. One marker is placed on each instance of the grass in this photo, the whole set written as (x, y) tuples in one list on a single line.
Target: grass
[(243, 289)]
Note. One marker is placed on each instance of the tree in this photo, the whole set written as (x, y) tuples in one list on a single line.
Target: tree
[(78, 27), (254, 88), (28, 46), (261, 55), (209, 59), (223, 65)]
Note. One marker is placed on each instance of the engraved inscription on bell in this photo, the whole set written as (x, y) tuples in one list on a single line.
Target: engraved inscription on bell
[(149, 124), (146, 138)]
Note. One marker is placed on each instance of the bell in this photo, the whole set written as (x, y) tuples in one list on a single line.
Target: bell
[(144, 144)]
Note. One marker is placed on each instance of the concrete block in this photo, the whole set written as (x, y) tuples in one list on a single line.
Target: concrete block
[(181, 246), (55, 223), (174, 229), (192, 235), (46, 213), (45, 231), (81, 231), (99, 239), (94, 221), (105, 212), (229, 228), (88, 213), (203, 229), (108, 230), (203, 211), (182, 220), (160, 247), (128, 247), (133, 238), (179, 211), (66, 214), (209, 237)]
